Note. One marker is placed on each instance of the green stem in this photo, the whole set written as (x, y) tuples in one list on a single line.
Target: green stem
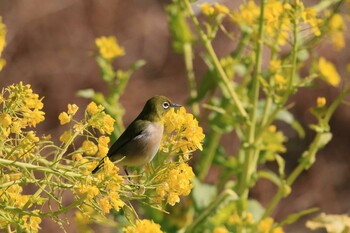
[(311, 152), (249, 166), (188, 57), (209, 155), (208, 46), (55, 164), (291, 79), (211, 209)]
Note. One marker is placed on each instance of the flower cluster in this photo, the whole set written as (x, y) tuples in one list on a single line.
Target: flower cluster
[(13, 197), (143, 226), (266, 225), (107, 180), (278, 18), (216, 9), (336, 30), (182, 132), (20, 110), (109, 48), (174, 181)]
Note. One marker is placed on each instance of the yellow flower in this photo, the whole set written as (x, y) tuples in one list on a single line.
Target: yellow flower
[(91, 190), (92, 108), (275, 65), (234, 219), (338, 40), (182, 132), (3, 32), (109, 47), (277, 230), (5, 120), (280, 80), (321, 102), (31, 223), (220, 230), (89, 147), (207, 9), (105, 205), (272, 129), (265, 225), (247, 15), (309, 15), (249, 218), (77, 156), (175, 181), (336, 23), (221, 9), (72, 109), (34, 117), (65, 137), (328, 72), (64, 118), (143, 226), (103, 146)]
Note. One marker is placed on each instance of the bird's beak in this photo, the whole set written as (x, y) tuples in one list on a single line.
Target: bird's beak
[(176, 105)]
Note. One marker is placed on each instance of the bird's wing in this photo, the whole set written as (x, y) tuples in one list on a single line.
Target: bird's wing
[(133, 131)]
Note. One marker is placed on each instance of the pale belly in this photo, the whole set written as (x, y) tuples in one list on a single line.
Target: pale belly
[(144, 147)]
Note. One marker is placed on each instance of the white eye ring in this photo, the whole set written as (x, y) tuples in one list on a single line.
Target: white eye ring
[(165, 105)]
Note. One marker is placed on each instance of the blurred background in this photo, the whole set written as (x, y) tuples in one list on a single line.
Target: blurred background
[(50, 43)]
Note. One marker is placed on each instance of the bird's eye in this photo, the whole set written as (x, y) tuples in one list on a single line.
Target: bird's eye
[(165, 105)]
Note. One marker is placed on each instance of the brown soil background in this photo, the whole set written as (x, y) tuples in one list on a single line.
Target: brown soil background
[(49, 45)]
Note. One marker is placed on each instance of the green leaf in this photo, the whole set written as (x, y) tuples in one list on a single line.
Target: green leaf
[(256, 209), (86, 93), (203, 194), (324, 140), (287, 117), (269, 175), (294, 217), (107, 71), (281, 164)]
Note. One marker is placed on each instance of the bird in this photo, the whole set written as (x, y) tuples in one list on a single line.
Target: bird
[(140, 142)]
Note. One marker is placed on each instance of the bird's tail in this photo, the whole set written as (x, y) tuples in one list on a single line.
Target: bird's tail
[(99, 166)]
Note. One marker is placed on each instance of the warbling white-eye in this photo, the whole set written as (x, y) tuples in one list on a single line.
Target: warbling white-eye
[(140, 142)]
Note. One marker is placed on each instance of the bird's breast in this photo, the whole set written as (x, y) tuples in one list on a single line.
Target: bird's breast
[(144, 146)]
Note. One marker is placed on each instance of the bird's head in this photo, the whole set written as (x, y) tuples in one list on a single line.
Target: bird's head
[(156, 107)]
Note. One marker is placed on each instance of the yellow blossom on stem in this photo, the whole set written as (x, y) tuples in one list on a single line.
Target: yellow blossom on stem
[(280, 80), (275, 65), (3, 32), (143, 226), (64, 118), (321, 102), (103, 146), (89, 147), (221, 9), (109, 47), (175, 181), (31, 223), (328, 72), (207, 9), (91, 190), (92, 108), (66, 136), (265, 225), (72, 109), (220, 230)]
